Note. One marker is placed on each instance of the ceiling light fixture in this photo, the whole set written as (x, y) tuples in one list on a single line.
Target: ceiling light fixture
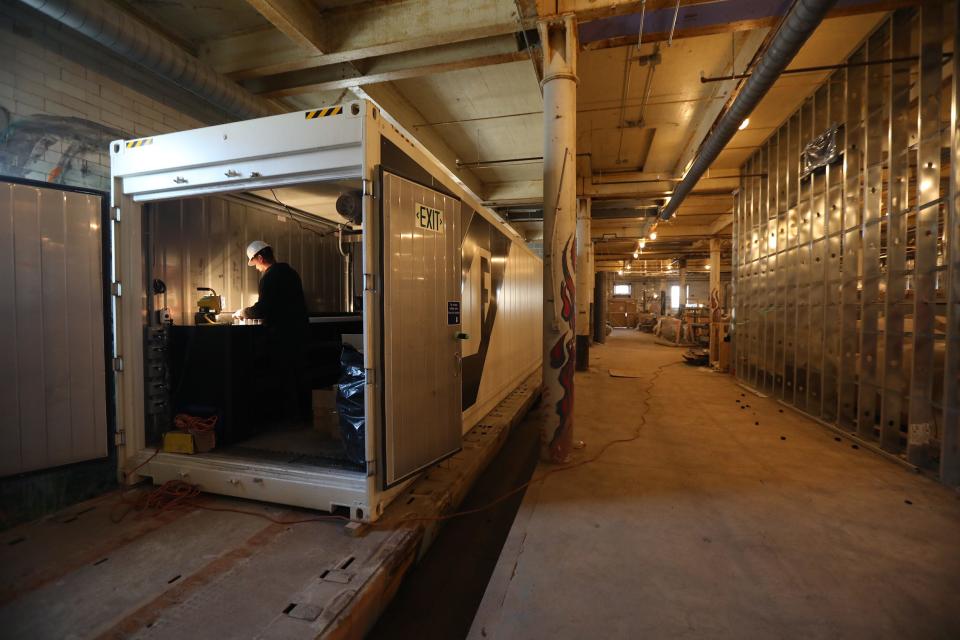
[(635, 255), (643, 242), (744, 124), (653, 235)]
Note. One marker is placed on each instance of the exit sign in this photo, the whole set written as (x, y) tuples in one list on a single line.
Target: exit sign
[(429, 218)]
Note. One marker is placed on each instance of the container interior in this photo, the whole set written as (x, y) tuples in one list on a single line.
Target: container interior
[(266, 397)]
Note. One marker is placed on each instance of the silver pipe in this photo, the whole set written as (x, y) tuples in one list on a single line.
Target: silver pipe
[(138, 43), (796, 28), (673, 27)]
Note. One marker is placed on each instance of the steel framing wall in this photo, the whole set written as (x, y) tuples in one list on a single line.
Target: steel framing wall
[(847, 277)]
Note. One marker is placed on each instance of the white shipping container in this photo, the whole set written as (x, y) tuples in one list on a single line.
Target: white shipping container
[(449, 296)]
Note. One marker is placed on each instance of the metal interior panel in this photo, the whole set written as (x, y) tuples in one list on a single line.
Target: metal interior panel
[(767, 272), (833, 233), (422, 379), (780, 297), (52, 390), (852, 206), (792, 169), (899, 125), (854, 268), (927, 212), (751, 268), (804, 271), (950, 439), (817, 263), (871, 304), (201, 242)]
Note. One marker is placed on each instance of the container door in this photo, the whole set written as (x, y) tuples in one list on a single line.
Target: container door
[(421, 320)]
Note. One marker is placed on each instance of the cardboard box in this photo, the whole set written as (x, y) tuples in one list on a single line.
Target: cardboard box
[(189, 441), (325, 417)]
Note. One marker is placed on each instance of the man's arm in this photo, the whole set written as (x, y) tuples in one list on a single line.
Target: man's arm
[(266, 300)]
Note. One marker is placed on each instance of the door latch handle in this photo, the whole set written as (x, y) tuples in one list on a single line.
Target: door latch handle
[(460, 335)]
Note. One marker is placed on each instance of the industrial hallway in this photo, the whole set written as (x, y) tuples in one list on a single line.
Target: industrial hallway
[(729, 517)]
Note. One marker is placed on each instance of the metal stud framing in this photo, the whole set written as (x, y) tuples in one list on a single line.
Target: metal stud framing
[(848, 278)]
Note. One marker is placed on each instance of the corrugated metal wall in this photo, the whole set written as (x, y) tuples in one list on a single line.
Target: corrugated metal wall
[(201, 242), (843, 273), (52, 379)]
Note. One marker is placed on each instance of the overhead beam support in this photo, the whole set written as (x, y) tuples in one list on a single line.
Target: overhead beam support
[(299, 20), (283, 86), (357, 32)]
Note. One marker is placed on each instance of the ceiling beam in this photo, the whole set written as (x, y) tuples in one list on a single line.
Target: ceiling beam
[(357, 32), (721, 224), (598, 9), (281, 87), (299, 20), (708, 18)]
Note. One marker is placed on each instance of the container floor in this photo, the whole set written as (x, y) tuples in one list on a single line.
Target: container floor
[(298, 445)]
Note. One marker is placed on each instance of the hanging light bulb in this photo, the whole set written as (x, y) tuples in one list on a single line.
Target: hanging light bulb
[(635, 255), (653, 235), (628, 266), (643, 242)]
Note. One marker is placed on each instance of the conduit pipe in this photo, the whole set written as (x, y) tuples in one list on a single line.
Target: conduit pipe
[(138, 43), (797, 26)]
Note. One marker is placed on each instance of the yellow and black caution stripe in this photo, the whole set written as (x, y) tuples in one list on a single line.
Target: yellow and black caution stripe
[(142, 142), (323, 113)]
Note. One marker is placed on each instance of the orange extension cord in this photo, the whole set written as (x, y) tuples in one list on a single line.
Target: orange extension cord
[(175, 494)]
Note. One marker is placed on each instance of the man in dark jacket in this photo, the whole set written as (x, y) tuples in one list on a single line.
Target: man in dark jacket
[(283, 309)]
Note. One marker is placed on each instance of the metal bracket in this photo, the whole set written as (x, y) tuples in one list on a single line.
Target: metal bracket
[(117, 364), (115, 214), (116, 289), (371, 468), (370, 376), (120, 437), (369, 282)]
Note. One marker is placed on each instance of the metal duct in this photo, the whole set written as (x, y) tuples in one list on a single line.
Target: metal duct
[(799, 23), (138, 43)]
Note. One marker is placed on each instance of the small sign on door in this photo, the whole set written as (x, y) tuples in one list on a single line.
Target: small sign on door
[(453, 312), (429, 218)]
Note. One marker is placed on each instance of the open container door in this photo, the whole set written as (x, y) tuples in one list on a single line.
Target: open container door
[(421, 323)]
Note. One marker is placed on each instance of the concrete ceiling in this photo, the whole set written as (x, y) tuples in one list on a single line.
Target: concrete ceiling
[(463, 78)]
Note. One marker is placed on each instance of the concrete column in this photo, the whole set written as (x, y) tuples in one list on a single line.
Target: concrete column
[(683, 285), (559, 43), (584, 282), (663, 297), (715, 276), (600, 307), (716, 333)]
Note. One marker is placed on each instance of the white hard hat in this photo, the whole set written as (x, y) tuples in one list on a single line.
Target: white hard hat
[(254, 248)]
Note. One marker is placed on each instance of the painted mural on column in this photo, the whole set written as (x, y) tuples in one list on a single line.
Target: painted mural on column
[(563, 353), (56, 149)]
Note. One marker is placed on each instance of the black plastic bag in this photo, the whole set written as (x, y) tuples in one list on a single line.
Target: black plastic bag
[(350, 404)]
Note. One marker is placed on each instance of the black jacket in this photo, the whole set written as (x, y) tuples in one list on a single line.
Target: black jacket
[(281, 306)]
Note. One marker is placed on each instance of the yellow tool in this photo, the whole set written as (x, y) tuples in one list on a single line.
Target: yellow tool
[(208, 306)]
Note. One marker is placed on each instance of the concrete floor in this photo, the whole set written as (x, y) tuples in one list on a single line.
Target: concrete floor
[(721, 522)]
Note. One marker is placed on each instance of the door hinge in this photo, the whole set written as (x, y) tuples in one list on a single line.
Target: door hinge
[(371, 468), (120, 437), (118, 364), (115, 214), (116, 289), (369, 282), (370, 376)]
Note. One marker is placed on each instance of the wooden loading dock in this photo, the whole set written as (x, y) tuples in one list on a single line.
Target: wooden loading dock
[(207, 569)]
